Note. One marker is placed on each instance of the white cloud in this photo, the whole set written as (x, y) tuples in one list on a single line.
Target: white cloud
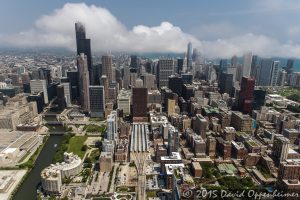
[(109, 34), (104, 29)]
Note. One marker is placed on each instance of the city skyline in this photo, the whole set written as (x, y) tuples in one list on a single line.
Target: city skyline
[(217, 30)]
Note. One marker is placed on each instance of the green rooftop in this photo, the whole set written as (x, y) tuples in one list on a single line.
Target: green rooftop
[(210, 110), (227, 168)]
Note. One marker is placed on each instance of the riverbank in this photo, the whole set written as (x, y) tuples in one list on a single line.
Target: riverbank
[(31, 181), (29, 165)]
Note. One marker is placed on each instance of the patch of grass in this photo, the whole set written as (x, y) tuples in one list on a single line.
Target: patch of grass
[(91, 128), (25, 156), (70, 143), (235, 183), (125, 189), (31, 161), (85, 174), (94, 156), (76, 144), (151, 193), (289, 92)]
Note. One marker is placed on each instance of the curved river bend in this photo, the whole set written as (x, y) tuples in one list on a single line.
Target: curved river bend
[(28, 190)]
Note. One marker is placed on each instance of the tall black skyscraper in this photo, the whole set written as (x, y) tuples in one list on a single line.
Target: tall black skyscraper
[(61, 101), (226, 83), (73, 77), (259, 99), (179, 65), (84, 46), (175, 84), (97, 100), (289, 66), (134, 62), (80, 34)]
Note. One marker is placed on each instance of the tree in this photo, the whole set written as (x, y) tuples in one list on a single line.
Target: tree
[(84, 148), (98, 144), (87, 160)]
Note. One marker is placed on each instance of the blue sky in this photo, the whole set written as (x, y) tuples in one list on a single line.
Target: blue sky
[(230, 26)]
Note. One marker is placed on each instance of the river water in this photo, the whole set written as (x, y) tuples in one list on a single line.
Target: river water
[(27, 190)]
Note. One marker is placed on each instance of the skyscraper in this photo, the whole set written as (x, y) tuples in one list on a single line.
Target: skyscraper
[(104, 82), (226, 83), (45, 74), (289, 66), (200, 125), (222, 68), (187, 78), (97, 100), (175, 84), (280, 147), (196, 56), (253, 66), (124, 101), (189, 56), (149, 81), (171, 106), (61, 101), (84, 46), (234, 61), (282, 77), (173, 140), (112, 126), (107, 67), (74, 84), (223, 65), (67, 90), (84, 81), (133, 77), (265, 72), (179, 65), (164, 70), (274, 73), (259, 99), (134, 62), (246, 68), (246, 94), (80, 34), (126, 77), (37, 86), (139, 104)]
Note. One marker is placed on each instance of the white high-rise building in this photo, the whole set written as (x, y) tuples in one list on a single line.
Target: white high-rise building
[(274, 73), (112, 126), (246, 68), (67, 90), (124, 100), (39, 86)]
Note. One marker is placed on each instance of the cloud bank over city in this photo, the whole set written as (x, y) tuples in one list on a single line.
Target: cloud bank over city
[(109, 34)]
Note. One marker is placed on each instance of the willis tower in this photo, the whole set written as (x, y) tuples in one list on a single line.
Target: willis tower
[(84, 46)]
